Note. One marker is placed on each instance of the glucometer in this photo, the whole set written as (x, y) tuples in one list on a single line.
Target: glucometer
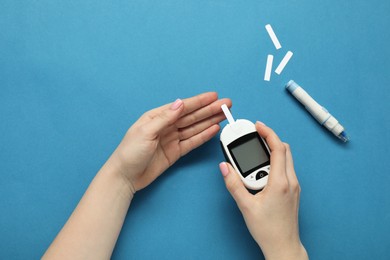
[(246, 151)]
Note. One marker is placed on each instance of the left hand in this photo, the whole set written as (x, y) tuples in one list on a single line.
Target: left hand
[(162, 135)]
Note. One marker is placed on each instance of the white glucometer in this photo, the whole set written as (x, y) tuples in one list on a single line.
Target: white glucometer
[(246, 151)]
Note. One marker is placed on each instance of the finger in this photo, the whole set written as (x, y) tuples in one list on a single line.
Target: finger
[(194, 103), (203, 113), (163, 119), (235, 186), (290, 172), (198, 139), (278, 154), (196, 128), (190, 104)]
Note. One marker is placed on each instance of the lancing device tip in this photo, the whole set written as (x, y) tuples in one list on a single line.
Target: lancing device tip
[(343, 137)]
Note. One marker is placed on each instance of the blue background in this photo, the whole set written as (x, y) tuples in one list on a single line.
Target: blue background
[(74, 75)]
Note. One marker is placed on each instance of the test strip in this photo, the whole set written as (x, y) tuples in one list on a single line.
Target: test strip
[(284, 62), (273, 37), (268, 67), (227, 113)]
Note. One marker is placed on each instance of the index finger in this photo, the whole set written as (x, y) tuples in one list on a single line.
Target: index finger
[(194, 103), (190, 104)]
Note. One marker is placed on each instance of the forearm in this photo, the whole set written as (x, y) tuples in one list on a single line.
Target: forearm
[(93, 228)]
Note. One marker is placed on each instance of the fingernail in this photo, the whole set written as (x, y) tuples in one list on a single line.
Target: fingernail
[(224, 169), (261, 123), (176, 104)]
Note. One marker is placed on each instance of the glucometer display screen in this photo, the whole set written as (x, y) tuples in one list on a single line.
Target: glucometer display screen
[(249, 154)]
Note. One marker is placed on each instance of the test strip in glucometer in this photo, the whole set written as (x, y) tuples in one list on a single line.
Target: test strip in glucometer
[(268, 67), (227, 113), (284, 62), (273, 37)]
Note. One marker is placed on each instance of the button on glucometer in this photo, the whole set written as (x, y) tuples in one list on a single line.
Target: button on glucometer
[(261, 174)]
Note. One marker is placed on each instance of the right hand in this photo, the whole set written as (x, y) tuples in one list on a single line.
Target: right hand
[(272, 214)]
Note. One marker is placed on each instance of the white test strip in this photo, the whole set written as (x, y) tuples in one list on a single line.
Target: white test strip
[(268, 67), (273, 37), (227, 113), (284, 62)]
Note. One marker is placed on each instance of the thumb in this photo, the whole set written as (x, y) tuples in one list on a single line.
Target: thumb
[(164, 118), (234, 185)]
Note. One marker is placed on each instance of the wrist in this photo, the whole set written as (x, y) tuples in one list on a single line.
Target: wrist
[(116, 171), (291, 252)]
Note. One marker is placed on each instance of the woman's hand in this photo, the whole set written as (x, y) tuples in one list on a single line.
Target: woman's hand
[(272, 214), (161, 136), (157, 140)]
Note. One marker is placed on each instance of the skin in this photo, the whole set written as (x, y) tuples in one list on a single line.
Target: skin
[(272, 214), (150, 146)]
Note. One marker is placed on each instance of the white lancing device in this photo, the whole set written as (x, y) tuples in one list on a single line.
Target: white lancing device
[(317, 111)]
